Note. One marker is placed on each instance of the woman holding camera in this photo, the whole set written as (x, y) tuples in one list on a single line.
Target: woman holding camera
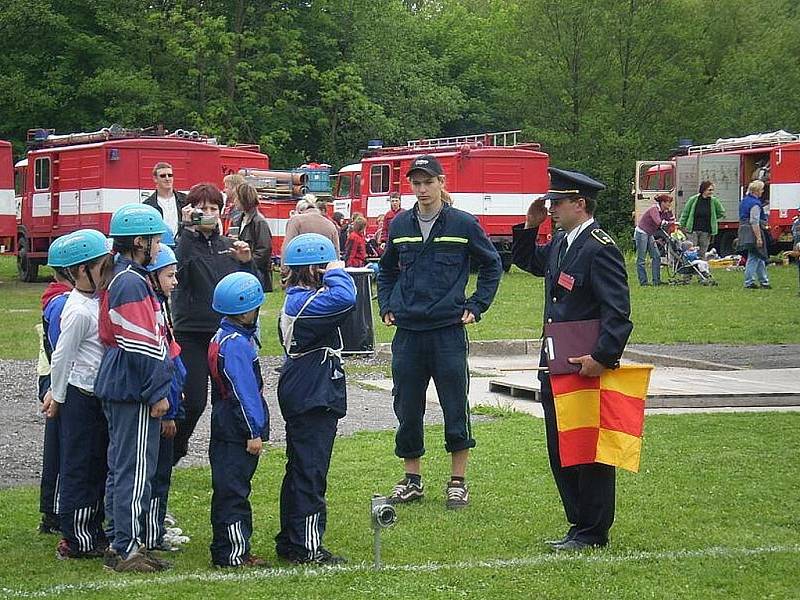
[(254, 229), (204, 258)]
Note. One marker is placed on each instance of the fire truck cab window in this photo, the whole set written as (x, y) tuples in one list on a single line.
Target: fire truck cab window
[(41, 179), (357, 186), (343, 186), (19, 182), (655, 178), (379, 179)]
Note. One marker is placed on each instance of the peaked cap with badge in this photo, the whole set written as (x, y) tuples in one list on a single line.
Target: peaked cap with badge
[(571, 184)]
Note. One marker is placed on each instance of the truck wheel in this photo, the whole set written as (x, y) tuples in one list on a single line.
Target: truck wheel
[(725, 243), (505, 257), (27, 268)]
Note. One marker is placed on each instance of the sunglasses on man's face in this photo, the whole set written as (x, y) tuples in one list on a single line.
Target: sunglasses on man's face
[(165, 175)]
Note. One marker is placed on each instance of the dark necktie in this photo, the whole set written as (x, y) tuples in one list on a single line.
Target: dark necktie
[(562, 250)]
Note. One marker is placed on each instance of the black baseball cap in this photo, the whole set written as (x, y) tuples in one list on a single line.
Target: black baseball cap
[(571, 184), (427, 164)]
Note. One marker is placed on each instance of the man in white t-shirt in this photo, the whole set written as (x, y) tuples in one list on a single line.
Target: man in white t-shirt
[(165, 199)]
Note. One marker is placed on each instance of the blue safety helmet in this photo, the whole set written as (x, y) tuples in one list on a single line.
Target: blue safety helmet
[(309, 249), (82, 246), (168, 237), (55, 253), (237, 294), (136, 219), (165, 258)]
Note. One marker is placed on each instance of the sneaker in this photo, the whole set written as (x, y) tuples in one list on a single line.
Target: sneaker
[(136, 562), (176, 539), (110, 559), (751, 286), (49, 524), (457, 495), (65, 552), (160, 563), (166, 546), (169, 520), (321, 557), (173, 530), (406, 491), (250, 561), (766, 286)]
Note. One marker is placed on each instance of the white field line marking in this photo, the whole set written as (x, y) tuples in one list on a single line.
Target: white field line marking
[(590, 557)]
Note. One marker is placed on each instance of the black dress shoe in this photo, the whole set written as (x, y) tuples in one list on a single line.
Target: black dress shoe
[(563, 540), (575, 546)]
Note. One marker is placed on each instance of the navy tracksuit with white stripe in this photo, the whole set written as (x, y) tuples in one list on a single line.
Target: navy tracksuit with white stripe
[(312, 396), (238, 414), (83, 433), (135, 374), (51, 324)]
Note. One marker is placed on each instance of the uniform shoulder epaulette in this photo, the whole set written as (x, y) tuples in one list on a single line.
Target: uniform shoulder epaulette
[(602, 237)]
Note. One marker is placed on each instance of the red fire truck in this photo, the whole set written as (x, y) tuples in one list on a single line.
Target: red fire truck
[(68, 182), (490, 175), (731, 163)]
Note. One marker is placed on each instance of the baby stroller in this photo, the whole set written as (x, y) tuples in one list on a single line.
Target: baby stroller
[(681, 270)]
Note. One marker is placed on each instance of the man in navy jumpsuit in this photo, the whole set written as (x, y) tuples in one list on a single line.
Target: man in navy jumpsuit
[(585, 278), (421, 291)]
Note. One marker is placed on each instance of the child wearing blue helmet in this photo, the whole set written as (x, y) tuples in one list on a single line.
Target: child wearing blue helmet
[(239, 418), (83, 432), (54, 298), (163, 277), (311, 391), (134, 381)]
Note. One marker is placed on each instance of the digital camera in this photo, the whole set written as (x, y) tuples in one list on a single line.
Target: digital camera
[(383, 513)]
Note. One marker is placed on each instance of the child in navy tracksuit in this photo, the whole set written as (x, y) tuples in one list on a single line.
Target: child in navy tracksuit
[(163, 279), (239, 418), (82, 431), (134, 381), (311, 391), (53, 300)]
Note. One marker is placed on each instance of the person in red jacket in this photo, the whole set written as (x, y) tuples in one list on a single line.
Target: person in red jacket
[(394, 210), (355, 250)]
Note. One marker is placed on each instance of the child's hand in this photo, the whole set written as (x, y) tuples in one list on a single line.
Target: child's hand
[(159, 409), (254, 446), (334, 264), (168, 429)]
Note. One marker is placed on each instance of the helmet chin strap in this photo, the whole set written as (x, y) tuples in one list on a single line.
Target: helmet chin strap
[(91, 281), (148, 249)]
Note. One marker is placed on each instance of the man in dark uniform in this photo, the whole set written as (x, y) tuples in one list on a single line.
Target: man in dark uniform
[(585, 278)]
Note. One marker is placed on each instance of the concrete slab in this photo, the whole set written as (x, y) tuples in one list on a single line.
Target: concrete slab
[(679, 387)]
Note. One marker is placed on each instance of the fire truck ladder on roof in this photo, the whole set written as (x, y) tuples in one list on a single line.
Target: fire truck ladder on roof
[(759, 140), (498, 138)]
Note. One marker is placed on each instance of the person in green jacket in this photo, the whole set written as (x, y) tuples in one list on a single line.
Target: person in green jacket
[(701, 215)]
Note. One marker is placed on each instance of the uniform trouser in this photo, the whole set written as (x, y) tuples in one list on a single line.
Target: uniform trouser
[(48, 488), (304, 515), (132, 458), (232, 469), (194, 353), (84, 440), (154, 525), (418, 356), (587, 491)]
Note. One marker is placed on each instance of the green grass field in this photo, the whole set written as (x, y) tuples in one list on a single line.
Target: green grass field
[(694, 314), (714, 513)]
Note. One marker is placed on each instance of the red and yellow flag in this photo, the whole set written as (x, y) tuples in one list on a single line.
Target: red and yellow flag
[(601, 419)]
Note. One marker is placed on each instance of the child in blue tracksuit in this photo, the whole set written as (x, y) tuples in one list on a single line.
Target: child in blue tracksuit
[(239, 418), (53, 300), (311, 391), (133, 381), (163, 278), (82, 430)]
